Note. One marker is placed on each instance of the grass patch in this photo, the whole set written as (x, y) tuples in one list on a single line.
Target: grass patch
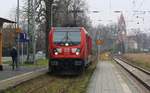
[(39, 62), (56, 84), (139, 59)]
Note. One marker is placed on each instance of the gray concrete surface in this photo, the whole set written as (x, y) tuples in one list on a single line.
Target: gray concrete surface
[(107, 79), (8, 72), (15, 80)]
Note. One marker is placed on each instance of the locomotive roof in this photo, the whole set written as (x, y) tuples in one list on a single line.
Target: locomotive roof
[(67, 28), (70, 29)]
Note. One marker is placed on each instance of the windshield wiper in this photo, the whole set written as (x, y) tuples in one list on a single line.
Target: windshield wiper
[(66, 39)]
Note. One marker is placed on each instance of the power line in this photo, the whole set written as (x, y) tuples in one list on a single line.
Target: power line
[(138, 8), (134, 4), (141, 4)]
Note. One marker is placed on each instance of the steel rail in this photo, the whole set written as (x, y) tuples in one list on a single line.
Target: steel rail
[(145, 83)]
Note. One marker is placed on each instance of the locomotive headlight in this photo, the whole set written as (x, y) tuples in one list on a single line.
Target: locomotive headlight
[(77, 53), (56, 53), (66, 44)]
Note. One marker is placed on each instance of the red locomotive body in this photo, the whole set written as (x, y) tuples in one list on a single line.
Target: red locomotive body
[(69, 49)]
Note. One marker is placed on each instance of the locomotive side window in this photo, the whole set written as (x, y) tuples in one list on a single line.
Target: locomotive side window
[(70, 37), (87, 41)]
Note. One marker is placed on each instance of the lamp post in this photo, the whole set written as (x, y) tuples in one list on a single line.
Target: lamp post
[(52, 6), (18, 32), (96, 35), (34, 31)]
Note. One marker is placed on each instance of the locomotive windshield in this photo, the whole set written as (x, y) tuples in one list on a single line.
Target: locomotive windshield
[(70, 37)]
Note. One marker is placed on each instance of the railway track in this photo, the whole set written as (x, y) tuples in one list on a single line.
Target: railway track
[(54, 84), (43, 82), (65, 90), (141, 69), (142, 75), (40, 86)]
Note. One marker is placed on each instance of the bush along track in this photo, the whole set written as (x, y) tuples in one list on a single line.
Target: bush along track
[(56, 83)]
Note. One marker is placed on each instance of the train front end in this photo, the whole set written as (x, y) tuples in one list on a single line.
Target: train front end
[(66, 49)]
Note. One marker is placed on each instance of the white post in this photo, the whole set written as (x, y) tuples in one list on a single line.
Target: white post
[(51, 15), (98, 53), (18, 33), (53, 5), (27, 50), (34, 30), (22, 59)]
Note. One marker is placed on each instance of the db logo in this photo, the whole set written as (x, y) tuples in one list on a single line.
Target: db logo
[(66, 50)]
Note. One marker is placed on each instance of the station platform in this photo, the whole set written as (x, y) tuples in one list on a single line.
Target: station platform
[(8, 72), (10, 78), (107, 78)]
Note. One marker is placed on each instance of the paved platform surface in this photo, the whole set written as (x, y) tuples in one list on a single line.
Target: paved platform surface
[(8, 72), (107, 79)]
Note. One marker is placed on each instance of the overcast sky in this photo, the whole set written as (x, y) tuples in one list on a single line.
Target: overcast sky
[(126, 6), (106, 8)]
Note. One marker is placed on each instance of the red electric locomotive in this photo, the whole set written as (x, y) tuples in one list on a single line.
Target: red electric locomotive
[(69, 49)]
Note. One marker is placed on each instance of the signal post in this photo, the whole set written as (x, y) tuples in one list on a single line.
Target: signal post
[(99, 42)]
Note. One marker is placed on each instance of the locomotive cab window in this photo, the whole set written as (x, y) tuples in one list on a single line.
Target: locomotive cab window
[(69, 37)]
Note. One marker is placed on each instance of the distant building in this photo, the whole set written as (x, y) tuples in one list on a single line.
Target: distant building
[(132, 43), (139, 42)]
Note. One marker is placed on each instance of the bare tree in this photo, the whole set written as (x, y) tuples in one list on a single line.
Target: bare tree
[(109, 35), (66, 13)]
